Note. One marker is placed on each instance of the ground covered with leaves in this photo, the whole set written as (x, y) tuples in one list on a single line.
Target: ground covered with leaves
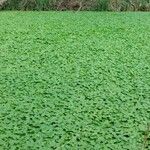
[(74, 80)]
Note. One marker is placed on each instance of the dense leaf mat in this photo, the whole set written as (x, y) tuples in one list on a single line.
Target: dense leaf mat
[(74, 80)]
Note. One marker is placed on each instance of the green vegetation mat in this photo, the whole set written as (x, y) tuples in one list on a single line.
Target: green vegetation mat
[(74, 81)]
